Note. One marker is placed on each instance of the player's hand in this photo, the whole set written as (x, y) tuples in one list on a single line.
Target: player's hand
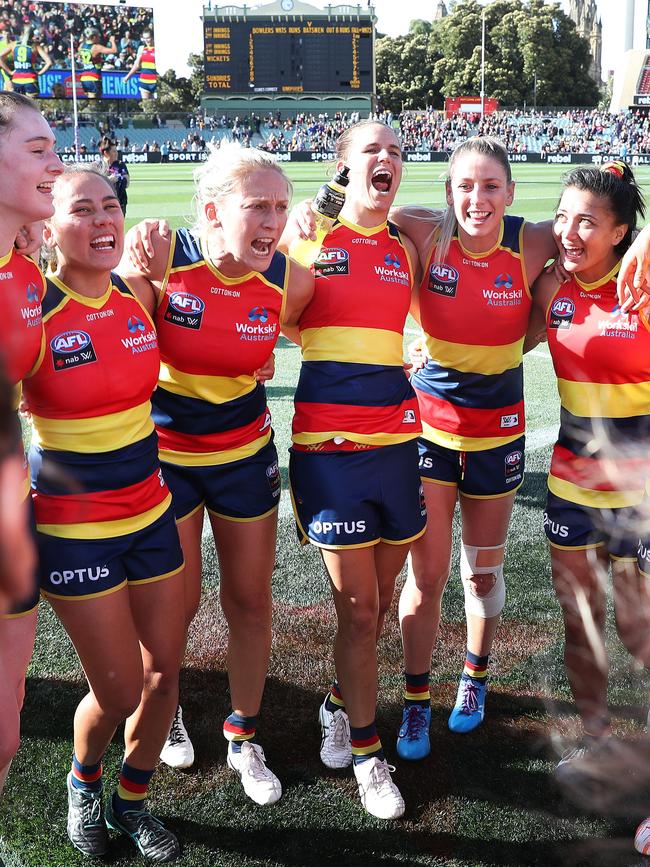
[(29, 239), (633, 283), (557, 268), (418, 355), (302, 222), (267, 370), (138, 244)]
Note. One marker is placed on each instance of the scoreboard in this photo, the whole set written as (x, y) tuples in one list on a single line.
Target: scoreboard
[(268, 55)]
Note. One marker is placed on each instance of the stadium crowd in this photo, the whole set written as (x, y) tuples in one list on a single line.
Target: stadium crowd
[(53, 27), (574, 130)]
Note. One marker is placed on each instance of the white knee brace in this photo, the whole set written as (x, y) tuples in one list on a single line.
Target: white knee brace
[(490, 603)]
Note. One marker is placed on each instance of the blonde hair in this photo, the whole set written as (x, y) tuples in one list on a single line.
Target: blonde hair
[(223, 173), (484, 146), (345, 139)]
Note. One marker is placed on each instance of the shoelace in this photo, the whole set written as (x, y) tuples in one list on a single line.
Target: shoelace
[(384, 784), (150, 830), (470, 698), (416, 721), (254, 763), (91, 808), (175, 734), (339, 731)]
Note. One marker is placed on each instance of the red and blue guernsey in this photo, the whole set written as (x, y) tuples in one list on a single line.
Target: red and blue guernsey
[(94, 459), (148, 75), (22, 287), (474, 310), (602, 361), (352, 389), (214, 333)]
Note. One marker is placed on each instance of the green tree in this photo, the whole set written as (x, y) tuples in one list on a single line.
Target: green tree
[(404, 68), (525, 41), (180, 94)]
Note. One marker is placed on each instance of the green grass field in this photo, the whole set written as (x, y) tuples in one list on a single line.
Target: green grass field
[(481, 799)]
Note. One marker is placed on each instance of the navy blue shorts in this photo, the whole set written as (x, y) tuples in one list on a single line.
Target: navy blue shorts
[(92, 87), (30, 89), (354, 499), (148, 86), (85, 568), (244, 490), (484, 474), (572, 526)]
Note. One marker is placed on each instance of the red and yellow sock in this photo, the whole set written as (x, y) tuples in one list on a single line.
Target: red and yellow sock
[(87, 777), (416, 689), (132, 789), (365, 744)]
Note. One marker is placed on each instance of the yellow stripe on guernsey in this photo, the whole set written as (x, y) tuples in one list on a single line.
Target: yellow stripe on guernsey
[(355, 345), (214, 389), (214, 458), (594, 499), (463, 443), (605, 400), (469, 359), (91, 435), (107, 529)]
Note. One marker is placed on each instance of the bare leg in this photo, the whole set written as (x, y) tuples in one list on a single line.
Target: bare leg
[(16, 645), (428, 572), (246, 552), (580, 578)]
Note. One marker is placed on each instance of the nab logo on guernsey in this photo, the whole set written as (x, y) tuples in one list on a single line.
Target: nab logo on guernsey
[(258, 326), (141, 341), (510, 420), (332, 262), (562, 311), (185, 309), (443, 280), (72, 348), (409, 417)]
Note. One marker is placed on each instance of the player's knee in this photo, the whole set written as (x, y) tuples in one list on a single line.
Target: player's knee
[(163, 681), (428, 576), (358, 621), (484, 586)]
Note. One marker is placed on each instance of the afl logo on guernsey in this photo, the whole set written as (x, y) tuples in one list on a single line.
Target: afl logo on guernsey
[(332, 261), (443, 280), (72, 348), (185, 309), (513, 466), (562, 311)]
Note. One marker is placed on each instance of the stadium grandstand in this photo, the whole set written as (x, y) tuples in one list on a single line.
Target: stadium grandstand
[(626, 134)]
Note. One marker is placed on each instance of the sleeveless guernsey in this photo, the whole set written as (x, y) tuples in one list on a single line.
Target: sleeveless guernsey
[(352, 385), (90, 402), (474, 310), (214, 332), (602, 361)]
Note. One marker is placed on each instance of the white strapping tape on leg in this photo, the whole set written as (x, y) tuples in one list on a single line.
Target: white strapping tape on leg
[(491, 603)]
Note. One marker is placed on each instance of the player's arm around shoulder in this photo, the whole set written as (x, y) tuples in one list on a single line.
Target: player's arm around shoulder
[(543, 291), (300, 291), (417, 222), (539, 246), (416, 274), (147, 248)]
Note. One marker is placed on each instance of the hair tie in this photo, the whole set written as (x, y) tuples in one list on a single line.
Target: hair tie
[(615, 167)]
